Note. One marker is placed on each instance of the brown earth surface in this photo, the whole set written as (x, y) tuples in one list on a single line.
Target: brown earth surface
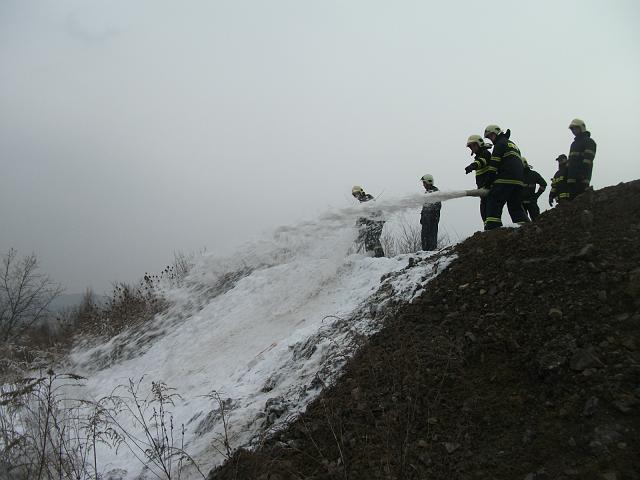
[(520, 361)]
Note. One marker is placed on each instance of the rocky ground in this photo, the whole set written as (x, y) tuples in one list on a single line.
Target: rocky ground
[(521, 361)]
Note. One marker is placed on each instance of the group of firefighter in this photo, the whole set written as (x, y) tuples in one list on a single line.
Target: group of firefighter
[(501, 169)]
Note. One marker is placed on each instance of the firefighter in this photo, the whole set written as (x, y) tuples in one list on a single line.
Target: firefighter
[(559, 191), (369, 229), (430, 216), (480, 164), (531, 178), (505, 175), (581, 155)]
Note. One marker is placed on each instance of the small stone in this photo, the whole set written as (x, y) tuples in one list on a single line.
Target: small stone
[(528, 436), (622, 446), (633, 286), (602, 295), (423, 444), (451, 447), (630, 344), (555, 314), (590, 407), (356, 393), (623, 317), (470, 336), (432, 420), (583, 359), (572, 442), (622, 407), (463, 287), (482, 291), (297, 444), (586, 252), (586, 218)]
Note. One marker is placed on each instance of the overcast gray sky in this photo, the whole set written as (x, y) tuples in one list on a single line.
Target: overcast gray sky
[(129, 130)]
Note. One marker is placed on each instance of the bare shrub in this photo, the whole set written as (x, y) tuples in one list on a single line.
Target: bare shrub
[(128, 306), (25, 294), (404, 235), (160, 448), (46, 435), (222, 443)]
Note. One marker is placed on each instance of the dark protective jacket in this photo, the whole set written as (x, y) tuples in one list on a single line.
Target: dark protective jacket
[(430, 211), (481, 165), (559, 189), (531, 178), (505, 165), (365, 197), (582, 154), (370, 229)]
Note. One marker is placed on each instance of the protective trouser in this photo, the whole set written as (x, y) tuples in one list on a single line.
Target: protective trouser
[(500, 194), (369, 236), (483, 208), (429, 234), (578, 178), (532, 209)]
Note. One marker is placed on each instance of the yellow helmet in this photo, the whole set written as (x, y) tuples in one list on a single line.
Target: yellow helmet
[(492, 129), (576, 122), (427, 179), (477, 139)]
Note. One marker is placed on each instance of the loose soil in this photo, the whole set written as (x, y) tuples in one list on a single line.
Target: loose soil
[(520, 361)]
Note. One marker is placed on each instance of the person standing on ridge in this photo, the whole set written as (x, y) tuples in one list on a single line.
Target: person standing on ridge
[(531, 178), (559, 191), (480, 164), (581, 156), (370, 229), (429, 217), (505, 173)]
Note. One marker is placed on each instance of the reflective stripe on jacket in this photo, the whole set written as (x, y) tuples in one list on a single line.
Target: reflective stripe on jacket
[(506, 163)]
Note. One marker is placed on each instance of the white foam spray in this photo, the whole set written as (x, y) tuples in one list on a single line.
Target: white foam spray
[(257, 327)]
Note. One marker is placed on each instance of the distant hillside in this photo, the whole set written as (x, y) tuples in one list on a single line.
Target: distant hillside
[(521, 361), (71, 300)]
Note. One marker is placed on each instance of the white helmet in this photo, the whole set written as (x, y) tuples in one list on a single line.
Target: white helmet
[(492, 129), (477, 139), (576, 122), (356, 190), (427, 179), (524, 162)]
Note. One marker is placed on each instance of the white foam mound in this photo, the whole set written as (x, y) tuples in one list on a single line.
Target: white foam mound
[(264, 328)]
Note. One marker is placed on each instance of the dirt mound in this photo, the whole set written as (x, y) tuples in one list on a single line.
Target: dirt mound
[(521, 361)]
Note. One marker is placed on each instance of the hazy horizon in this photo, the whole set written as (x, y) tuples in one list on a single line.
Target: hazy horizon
[(133, 130)]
